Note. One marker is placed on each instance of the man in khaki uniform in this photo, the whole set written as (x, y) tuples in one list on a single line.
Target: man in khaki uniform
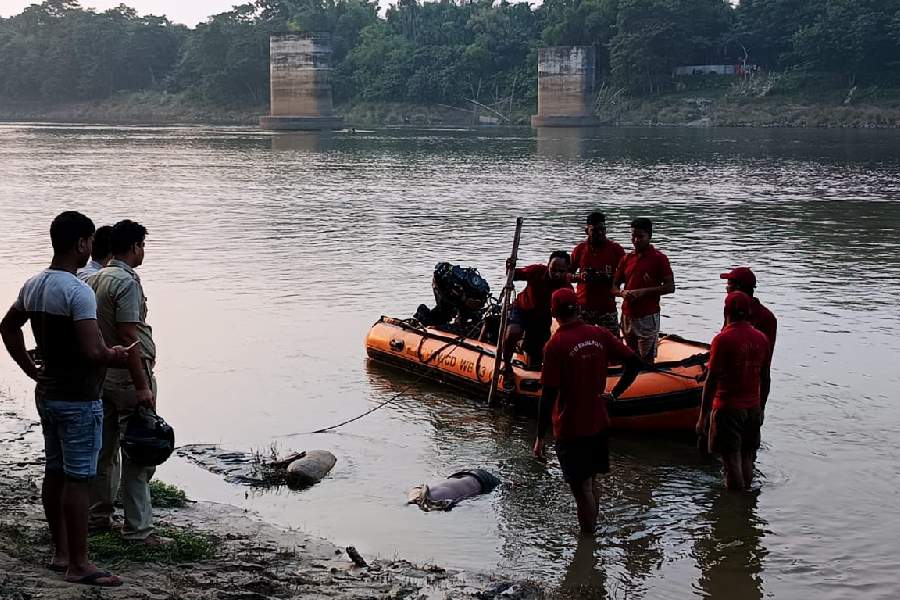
[(122, 315)]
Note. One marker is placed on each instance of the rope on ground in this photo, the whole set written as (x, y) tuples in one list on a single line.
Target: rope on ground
[(414, 382)]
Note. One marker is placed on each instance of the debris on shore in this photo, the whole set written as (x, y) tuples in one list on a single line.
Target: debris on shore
[(222, 552)]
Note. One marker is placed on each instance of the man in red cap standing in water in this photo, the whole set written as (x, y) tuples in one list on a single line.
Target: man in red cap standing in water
[(735, 393), (574, 397), (742, 279)]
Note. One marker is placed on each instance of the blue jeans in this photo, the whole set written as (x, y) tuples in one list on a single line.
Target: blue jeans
[(73, 434)]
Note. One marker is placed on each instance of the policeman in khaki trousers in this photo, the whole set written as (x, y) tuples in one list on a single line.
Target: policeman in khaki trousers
[(122, 316)]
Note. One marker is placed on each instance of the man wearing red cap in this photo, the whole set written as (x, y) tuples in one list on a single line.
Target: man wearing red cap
[(735, 393), (742, 279), (646, 275), (573, 397), (595, 260)]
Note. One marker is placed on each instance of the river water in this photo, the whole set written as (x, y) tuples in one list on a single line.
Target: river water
[(270, 256)]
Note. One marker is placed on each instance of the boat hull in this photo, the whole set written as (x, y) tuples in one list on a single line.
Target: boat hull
[(661, 400)]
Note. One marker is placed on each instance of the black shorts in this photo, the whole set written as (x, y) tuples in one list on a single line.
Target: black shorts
[(583, 457), (734, 430), (536, 329)]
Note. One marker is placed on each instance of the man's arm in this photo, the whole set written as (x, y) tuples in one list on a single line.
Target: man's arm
[(128, 333), (91, 344), (709, 392), (14, 340), (545, 410), (631, 368), (667, 287)]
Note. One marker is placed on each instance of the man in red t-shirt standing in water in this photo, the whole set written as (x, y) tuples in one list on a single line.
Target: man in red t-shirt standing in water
[(574, 386), (529, 315), (742, 279), (735, 393), (646, 275), (595, 260)]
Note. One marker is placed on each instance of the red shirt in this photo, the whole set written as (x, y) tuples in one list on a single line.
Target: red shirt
[(596, 295), (637, 271), (537, 292), (763, 319), (575, 361), (737, 358)]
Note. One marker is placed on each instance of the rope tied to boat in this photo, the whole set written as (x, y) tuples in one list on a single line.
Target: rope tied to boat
[(454, 343)]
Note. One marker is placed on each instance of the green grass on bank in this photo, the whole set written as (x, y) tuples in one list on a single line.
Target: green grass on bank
[(163, 495), (189, 546)]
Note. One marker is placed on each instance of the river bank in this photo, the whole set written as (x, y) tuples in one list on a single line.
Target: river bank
[(703, 108), (242, 557)]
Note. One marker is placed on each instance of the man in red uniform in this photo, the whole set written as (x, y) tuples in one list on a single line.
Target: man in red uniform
[(595, 260), (646, 275), (574, 386), (735, 393), (742, 279), (529, 315)]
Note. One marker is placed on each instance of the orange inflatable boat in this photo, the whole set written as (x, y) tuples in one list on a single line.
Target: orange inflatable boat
[(664, 399)]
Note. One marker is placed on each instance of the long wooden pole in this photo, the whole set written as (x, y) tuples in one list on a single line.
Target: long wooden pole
[(506, 294)]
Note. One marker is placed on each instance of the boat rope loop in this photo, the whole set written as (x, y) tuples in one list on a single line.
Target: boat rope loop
[(699, 360), (454, 342)]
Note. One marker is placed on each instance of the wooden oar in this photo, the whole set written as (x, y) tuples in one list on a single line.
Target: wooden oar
[(508, 289)]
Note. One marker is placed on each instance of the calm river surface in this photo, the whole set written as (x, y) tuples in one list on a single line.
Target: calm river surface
[(270, 256)]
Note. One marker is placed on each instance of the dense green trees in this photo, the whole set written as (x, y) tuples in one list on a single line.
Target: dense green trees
[(443, 51)]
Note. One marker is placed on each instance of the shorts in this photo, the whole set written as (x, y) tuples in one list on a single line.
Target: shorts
[(537, 331), (583, 457), (734, 430), (641, 334), (607, 320), (73, 434)]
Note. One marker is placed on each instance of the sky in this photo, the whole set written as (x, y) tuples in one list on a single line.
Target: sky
[(188, 12)]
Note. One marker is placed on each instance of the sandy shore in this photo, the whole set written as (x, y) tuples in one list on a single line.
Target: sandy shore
[(253, 560)]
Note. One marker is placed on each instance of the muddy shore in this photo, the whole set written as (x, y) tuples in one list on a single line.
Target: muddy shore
[(252, 560)]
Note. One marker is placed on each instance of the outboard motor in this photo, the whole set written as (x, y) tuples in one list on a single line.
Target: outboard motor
[(460, 293)]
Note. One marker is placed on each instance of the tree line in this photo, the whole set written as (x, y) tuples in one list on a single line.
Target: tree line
[(442, 52)]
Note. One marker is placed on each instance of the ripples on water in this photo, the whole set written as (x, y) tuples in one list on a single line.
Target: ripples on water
[(270, 256)]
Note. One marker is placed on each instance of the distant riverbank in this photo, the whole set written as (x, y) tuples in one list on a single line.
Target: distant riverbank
[(685, 109)]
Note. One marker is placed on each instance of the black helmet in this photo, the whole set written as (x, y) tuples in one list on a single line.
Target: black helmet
[(148, 440)]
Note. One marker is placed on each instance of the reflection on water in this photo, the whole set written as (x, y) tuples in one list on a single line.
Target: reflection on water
[(304, 141), (730, 556), (270, 256)]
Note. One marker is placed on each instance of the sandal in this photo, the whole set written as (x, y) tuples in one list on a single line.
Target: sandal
[(94, 579)]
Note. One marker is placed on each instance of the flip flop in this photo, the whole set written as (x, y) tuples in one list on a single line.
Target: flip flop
[(57, 568), (93, 578)]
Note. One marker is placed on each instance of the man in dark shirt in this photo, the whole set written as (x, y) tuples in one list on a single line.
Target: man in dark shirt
[(595, 261), (574, 397), (742, 279), (529, 315), (646, 275), (63, 315), (735, 393)]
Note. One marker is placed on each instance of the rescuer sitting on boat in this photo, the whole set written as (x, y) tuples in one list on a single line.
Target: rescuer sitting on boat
[(529, 315)]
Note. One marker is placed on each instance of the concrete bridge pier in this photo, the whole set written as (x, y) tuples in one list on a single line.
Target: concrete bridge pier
[(566, 80), (300, 73)]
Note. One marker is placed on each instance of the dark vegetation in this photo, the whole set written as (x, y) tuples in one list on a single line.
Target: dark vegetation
[(188, 546), (447, 52)]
